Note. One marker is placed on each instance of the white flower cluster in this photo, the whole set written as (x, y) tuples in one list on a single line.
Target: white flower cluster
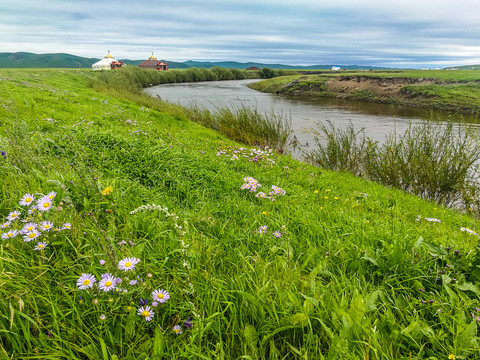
[(253, 185), (255, 155), (418, 218), (470, 231), (149, 207), (250, 184), (34, 226)]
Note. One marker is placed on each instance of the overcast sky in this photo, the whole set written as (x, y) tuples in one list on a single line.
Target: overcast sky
[(398, 33)]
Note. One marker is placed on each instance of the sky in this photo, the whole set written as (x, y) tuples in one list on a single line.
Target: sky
[(398, 33)]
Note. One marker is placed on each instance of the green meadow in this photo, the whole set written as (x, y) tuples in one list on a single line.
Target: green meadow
[(135, 229)]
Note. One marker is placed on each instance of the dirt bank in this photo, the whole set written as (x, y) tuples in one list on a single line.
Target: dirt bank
[(386, 88)]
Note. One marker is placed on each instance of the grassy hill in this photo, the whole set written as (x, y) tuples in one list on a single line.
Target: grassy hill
[(153, 241), (30, 60)]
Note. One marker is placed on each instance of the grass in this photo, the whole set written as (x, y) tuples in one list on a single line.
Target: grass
[(455, 91), (435, 161), (358, 271), (244, 124)]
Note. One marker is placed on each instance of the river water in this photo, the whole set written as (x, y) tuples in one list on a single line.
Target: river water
[(377, 119)]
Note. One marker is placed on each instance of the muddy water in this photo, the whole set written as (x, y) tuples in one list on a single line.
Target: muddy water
[(377, 119)]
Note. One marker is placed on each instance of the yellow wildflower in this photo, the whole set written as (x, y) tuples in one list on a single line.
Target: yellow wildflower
[(107, 191)]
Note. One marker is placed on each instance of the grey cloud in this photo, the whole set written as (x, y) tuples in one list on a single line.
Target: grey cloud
[(301, 32)]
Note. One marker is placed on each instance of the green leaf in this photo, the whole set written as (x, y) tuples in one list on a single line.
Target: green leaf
[(250, 334), (413, 327), (452, 296), (469, 287), (467, 336), (328, 331), (371, 300), (418, 243), (137, 250), (357, 308), (446, 279), (308, 306), (435, 249), (275, 249), (299, 319), (91, 351), (370, 259), (158, 343), (104, 349)]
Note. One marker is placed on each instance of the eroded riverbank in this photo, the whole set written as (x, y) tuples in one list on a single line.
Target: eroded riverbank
[(429, 92)]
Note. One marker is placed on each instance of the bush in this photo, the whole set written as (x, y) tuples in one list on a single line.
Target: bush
[(266, 73), (431, 160)]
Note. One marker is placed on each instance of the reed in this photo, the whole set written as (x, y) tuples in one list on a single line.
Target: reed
[(134, 79), (245, 124), (435, 161)]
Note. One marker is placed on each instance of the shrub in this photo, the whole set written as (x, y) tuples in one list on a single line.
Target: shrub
[(431, 160), (266, 73)]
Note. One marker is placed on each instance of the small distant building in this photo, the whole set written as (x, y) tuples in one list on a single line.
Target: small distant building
[(335, 68), (253, 68), (107, 63), (153, 64)]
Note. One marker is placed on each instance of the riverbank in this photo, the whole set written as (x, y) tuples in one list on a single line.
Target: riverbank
[(156, 238), (452, 91)]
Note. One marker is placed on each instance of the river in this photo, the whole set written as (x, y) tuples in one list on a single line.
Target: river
[(377, 119)]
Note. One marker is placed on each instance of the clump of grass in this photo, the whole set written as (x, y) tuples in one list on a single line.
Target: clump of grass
[(247, 125), (337, 149), (431, 160)]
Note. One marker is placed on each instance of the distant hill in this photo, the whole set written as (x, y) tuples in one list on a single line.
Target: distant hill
[(29, 60), (61, 60)]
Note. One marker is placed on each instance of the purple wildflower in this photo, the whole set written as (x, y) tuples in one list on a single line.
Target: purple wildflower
[(143, 302), (188, 324)]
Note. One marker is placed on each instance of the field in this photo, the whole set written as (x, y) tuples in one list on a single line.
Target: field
[(454, 91), (153, 237)]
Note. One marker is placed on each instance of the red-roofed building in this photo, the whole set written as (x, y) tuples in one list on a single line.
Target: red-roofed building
[(153, 64)]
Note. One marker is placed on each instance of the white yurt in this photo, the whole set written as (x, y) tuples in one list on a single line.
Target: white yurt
[(107, 63)]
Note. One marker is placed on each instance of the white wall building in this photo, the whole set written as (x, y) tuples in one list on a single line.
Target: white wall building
[(107, 63)]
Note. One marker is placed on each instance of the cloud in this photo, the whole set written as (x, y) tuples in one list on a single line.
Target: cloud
[(370, 32)]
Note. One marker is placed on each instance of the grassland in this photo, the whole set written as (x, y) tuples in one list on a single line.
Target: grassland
[(336, 267), (455, 91)]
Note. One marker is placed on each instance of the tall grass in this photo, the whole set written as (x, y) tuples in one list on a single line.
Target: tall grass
[(436, 161), (245, 124), (134, 79)]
